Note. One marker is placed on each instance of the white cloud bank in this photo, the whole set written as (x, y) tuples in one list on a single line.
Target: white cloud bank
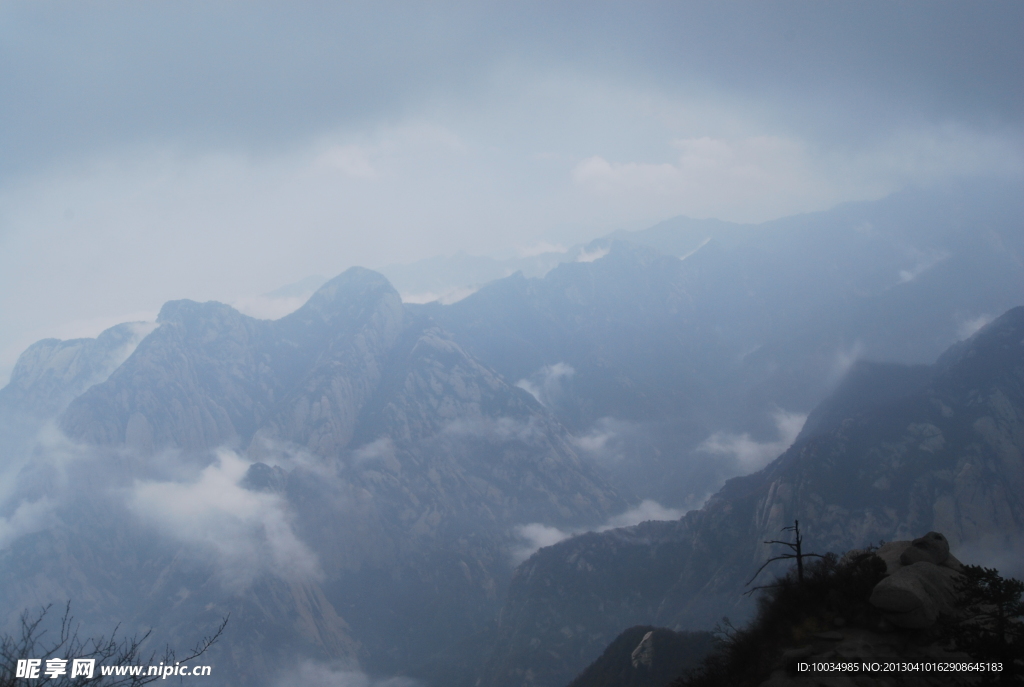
[(750, 454), (245, 532), (782, 175), (537, 535), (28, 517), (546, 384)]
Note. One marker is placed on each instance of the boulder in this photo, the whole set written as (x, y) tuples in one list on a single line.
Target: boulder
[(898, 554), (953, 563), (916, 595), (931, 548), (890, 552)]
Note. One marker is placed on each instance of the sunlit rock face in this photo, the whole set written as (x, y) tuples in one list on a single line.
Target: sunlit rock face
[(894, 453)]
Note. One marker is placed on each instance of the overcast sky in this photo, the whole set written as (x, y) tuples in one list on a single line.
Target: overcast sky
[(217, 150)]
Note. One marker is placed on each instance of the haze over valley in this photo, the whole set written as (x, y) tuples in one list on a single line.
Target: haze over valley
[(445, 345)]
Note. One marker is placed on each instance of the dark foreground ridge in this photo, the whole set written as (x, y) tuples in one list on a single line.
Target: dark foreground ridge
[(876, 616), (908, 613)]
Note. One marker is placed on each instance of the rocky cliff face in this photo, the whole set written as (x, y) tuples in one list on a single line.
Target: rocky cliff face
[(51, 373), (360, 466), (210, 376), (946, 455), (387, 469)]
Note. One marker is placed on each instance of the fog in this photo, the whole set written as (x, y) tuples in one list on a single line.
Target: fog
[(642, 263), (215, 151)]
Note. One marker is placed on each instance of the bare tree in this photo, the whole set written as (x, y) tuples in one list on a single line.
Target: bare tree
[(32, 642), (796, 546)]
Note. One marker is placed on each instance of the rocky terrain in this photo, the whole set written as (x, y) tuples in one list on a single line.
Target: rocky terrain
[(356, 482), (386, 470), (700, 329), (942, 450), (905, 601)]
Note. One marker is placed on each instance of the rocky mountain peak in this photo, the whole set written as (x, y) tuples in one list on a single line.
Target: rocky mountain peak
[(51, 373), (348, 295)]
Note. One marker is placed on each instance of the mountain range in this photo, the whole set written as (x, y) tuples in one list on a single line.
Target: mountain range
[(358, 483), (895, 452)]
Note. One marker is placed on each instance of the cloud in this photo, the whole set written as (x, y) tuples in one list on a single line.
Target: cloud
[(844, 360), (547, 384), (245, 532), (647, 510), (923, 264), (379, 449), (40, 478), (969, 327), (28, 517), (540, 248), (319, 674), (444, 298), (499, 429), (535, 536), (754, 170), (591, 256), (350, 160), (221, 221), (602, 440), (267, 307), (41, 467), (752, 455), (779, 174)]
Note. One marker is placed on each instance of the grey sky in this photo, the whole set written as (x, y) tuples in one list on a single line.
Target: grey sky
[(216, 150)]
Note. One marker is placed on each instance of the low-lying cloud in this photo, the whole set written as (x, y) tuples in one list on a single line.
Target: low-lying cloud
[(923, 263), (379, 449), (28, 517), (495, 429), (970, 326), (446, 297), (536, 535), (245, 532), (603, 440), (750, 454), (844, 359), (593, 255), (647, 510), (547, 384)]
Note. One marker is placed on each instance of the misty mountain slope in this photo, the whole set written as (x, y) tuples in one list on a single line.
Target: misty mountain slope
[(119, 567), (677, 344), (376, 526), (446, 457), (627, 321), (210, 375), (51, 373), (946, 455), (625, 339)]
